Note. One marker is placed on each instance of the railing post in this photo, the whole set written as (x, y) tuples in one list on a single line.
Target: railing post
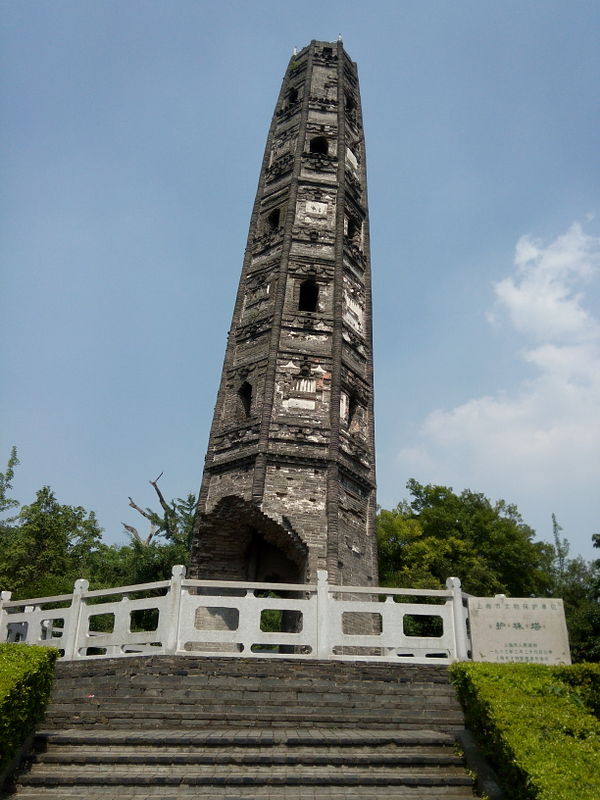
[(71, 634), (173, 609), (4, 598), (323, 621), (460, 629)]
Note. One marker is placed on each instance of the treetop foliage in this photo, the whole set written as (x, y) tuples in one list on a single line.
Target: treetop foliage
[(47, 546), (439, 533)]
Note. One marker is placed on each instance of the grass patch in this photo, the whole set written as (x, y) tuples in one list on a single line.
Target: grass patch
[(536, 725), (26, 675)]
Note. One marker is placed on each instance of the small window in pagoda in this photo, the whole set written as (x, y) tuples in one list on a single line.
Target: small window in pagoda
[(352, 408), (309, 296), (353, 229), (245, 396), (293, 97), (273, 219), (319, 145)]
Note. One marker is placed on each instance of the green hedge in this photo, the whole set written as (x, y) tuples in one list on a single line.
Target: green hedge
[(536, 726), (26, 675), (587, 678)]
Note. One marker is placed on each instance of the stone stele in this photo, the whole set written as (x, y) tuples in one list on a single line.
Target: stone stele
[(521, 629)]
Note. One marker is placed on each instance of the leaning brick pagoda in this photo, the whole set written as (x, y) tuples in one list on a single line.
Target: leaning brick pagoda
[(289, 478)]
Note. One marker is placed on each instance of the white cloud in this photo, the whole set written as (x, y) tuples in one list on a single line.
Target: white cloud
[(541, 299), (543, 436)]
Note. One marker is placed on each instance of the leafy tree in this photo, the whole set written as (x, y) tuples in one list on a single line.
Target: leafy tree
[(6, 479), (439, 533), (577, 582), (49, 548), (184, 511), (582, 610), (130, 564)]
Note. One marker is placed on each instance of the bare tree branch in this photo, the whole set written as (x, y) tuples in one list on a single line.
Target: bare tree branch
[(135, 535), (141, 510), (166, 508), (133, 531), (170, 518)]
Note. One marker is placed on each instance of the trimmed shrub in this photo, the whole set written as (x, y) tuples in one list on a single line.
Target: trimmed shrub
[(26, 675), (586, 677), (533, 725)]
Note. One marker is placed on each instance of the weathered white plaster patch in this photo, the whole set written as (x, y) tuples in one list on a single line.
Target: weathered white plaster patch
[(316, 209), (344, 405), (300, 402)]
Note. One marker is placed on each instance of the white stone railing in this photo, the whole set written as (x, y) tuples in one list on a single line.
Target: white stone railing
[(230, 618)]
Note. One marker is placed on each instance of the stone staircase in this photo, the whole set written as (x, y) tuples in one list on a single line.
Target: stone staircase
[(230, 728)]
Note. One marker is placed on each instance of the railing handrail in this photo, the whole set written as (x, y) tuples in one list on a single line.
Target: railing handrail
[(250, 585), (132, 589), (35, 601), (240, 585), (343, 589)]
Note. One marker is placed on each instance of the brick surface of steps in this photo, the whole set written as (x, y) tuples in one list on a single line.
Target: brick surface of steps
[(230, 729)]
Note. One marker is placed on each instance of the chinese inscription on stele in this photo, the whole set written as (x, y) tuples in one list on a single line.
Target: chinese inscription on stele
[(526, 629)]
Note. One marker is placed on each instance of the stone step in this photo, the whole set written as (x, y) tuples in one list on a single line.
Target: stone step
[(245, 703), (126, 718), (275, 757), (272, 750), (246, 688), (206, 691), (272, 690), (247, 793), (298, 674), (208, 695), (188, 664), (236, 667), (227, 737), (226, 775), (251, 682), (291, 667), (158, 706)]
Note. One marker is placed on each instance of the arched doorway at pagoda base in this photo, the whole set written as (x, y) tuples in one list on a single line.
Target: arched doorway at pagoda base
[(236, 541)]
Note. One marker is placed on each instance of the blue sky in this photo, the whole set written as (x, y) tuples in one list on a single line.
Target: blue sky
[(132, 135)]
